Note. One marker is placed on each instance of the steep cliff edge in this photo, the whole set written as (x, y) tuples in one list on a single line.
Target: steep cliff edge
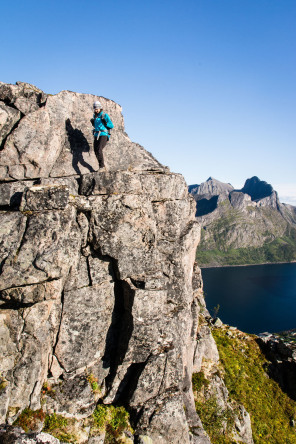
[(96, 271)]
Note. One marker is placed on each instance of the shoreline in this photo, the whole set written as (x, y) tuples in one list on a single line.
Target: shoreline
[(246, 265)]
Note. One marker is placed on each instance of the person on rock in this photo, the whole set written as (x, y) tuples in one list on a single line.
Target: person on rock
[(102, 125)]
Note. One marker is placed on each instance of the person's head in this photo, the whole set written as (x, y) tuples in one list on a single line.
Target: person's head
[(97, 107)]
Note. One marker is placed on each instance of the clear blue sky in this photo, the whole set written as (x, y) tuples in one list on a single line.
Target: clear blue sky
[(208, 86)]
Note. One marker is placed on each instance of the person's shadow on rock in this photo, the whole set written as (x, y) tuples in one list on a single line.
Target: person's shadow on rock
[(78, 145)]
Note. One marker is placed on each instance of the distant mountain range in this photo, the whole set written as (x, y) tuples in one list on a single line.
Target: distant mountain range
[(245, 226)]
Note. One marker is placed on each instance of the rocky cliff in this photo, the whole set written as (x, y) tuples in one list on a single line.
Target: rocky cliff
[(243, 226), (99, 302), (280, 349)]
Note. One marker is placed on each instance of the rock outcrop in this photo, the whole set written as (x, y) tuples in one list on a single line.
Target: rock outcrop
[(280, 350), (96, 271)]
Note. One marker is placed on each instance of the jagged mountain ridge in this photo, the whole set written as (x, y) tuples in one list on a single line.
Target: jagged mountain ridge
[(243, 226), (97, 280)]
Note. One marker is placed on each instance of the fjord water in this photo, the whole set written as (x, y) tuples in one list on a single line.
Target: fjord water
[(255, 298)]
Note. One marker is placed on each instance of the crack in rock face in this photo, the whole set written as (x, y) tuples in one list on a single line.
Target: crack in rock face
[(97, 276)]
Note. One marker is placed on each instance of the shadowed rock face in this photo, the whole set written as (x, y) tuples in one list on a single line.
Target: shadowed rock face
[(96, 270), (256, 188), (280, 350)]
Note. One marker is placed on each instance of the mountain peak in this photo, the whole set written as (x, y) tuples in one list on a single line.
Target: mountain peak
[(212, 186), (256, 188)]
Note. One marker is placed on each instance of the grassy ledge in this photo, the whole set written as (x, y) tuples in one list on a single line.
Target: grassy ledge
[(245, 374)]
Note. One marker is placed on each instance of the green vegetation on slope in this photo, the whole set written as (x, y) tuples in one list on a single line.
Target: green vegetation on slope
[(29, 419), (59, 427), (231, 236), (114, 420), (111, 421), (244, 367), (281, 249), (216, 420)]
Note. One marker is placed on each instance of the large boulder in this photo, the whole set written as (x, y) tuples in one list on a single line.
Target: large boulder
[(56, 141), (97, 280)]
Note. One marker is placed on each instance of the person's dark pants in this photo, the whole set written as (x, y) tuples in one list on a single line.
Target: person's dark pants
[(99, 145)]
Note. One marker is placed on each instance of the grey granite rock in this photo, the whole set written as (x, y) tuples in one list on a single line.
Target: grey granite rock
[(56, 141), (8, 118), (85, 321), (72, 398), (240, 200), (97, 280), (28, 336), (205, 348), (280, 350), (11, 232), (42, 252), (22, 96), (45, 197), (15, 435), (11, 193)]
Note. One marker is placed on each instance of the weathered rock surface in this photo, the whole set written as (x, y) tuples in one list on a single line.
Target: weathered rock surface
[(96, 272), (280, 350), (240, 200), (55, 140), (18, 436), (8, 118), (22, 96)]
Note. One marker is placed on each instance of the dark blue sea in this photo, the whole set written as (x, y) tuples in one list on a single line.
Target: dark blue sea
[(254, 298)]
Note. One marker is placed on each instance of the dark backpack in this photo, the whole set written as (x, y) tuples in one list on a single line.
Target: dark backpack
[(105, 123)]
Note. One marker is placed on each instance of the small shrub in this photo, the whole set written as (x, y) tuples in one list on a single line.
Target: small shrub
[(59, 427), (29, 419), (93, 381), (113, 419), (119, 418), (100, 416), (53, 422), (216, 311)]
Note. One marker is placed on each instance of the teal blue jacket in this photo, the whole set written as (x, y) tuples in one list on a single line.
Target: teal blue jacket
[(99, 125)]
